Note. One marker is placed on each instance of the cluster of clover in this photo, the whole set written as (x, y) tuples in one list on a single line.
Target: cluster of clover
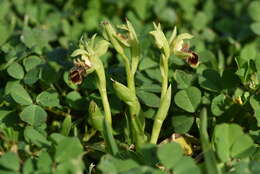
[(89, 62)]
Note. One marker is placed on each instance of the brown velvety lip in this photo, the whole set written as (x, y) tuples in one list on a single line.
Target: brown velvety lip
[(193, 60), (75, 77)]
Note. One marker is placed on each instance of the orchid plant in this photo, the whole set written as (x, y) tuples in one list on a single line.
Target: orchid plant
[(90, 51)]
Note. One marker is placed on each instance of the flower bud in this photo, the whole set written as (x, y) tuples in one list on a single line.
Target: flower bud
[(95, 116), (124, 93), (101, 47), (160, 39), (111, 35)]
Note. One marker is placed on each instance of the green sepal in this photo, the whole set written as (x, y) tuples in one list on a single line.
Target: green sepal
[(95, 116), (124, 93)]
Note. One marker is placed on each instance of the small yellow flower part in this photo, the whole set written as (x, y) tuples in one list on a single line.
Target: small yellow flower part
[(188, 143)]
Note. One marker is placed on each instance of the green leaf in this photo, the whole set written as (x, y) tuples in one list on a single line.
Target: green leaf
[(255, 104), (110, 164), (91, 18), (48, 99), (33, 115), (32, 76), (186, 165), (149, 154), (188, 99), (48, 74), (20, 95), (168, 14), (149, 99), (229, 79), (8, 118), (173, 150), (253, 10), (66, 126), (15, 70), (220, 104), (31, 62), (147, 63), (248, 52), (255, 27), (183, 79), (5, 31), (33, 136), (75, 100), (70, 166), (64, 150), (210, 80), (200, 21), (150, 88), (44, 162), (28, 166), (37, 38), (57, 138), (140, 8), (224, 137), (242, 146), (10, 161), (182, 123), (154, 73)]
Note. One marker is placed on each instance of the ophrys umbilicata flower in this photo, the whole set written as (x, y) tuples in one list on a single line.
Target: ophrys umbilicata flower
[(89, 52)]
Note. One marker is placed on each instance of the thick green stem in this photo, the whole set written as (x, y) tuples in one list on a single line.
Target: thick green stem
[(103, 93), (161, 115), (102, 90), (138, 133), (164, 73), (156, 130)]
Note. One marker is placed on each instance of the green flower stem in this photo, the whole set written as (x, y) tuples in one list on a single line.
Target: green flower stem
[(137, 128), (107, 122), (164, 107), (164, 72), (161, 115), (102, 89), (209, 155), (103, 93)]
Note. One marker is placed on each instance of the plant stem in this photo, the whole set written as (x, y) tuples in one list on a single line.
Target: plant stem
[(164, 73), (137, 130), (161, 115), (57, 112), (107, 122), (103, 91), (209, 155), (156, 130)]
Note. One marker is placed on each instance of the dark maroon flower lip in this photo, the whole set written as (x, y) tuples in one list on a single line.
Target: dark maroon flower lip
[(75, 76), (78, 72), (193, 60)]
